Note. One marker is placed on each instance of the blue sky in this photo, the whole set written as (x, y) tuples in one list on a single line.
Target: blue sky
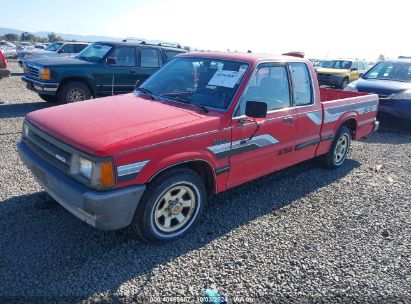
[(320, 28)]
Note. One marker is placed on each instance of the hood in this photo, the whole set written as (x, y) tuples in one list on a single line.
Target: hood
[(35, 51), (61, 62), (95, 125), (331, 71), (381, 87)]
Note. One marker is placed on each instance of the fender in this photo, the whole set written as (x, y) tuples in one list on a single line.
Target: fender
[(157, 166), (343, 118)]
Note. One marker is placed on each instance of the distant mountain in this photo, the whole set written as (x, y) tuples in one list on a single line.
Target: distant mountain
[(43, 34)]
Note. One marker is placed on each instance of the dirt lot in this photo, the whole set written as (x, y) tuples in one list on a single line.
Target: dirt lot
[(304, 234)]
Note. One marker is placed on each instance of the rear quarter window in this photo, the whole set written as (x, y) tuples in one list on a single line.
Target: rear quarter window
[(302, 91)]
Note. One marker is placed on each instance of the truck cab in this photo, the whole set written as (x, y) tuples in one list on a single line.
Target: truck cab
[(202, 124)]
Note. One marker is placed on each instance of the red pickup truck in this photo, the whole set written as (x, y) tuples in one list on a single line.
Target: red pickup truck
[(202, 124)]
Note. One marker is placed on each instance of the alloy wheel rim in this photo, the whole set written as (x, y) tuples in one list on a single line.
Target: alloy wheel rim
[(341, 149), (175, 208), (75, 95)]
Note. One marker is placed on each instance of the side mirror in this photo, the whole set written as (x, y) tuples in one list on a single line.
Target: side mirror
[(111, 61), (256, 109), (60, 51), (354, 69)]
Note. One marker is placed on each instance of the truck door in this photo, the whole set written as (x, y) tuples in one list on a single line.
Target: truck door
[(149, 62), (355, 73), (255, 152), (309, 112), (118, 78)]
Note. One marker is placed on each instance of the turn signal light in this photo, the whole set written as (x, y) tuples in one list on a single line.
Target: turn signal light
[(106, 178)]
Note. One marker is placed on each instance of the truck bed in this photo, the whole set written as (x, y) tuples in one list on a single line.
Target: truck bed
[(340, 106)]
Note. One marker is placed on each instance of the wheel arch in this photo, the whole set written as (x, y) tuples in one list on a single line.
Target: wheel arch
[(201, 166), (83, 80)]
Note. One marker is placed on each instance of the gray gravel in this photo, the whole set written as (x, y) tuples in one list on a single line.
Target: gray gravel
[(302, 235)]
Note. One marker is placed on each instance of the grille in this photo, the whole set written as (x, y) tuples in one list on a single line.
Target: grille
[(49, 151), (33, 71)]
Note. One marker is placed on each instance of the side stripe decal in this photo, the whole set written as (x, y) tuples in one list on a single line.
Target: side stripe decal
[(242, 146), (334, 114), (130, 171), (307, 144)]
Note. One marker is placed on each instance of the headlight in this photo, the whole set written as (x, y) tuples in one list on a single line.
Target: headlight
[(402, 95), (44, 74), (97, 174), (351, 87)]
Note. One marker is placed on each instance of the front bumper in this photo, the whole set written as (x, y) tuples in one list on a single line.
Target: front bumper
[(108, 210), (330, 79), (4, 73), (47, 88), (397, 108)]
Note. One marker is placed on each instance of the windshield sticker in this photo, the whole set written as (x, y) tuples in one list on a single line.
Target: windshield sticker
[(224, 78)]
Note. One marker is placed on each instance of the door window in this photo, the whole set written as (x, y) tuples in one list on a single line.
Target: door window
[(302, 84), (171, 54), (68, 48), (149, 58), (270, 84), (79, 47), (125, 56)]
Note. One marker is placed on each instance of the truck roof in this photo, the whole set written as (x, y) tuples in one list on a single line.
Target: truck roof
[(246, 57)]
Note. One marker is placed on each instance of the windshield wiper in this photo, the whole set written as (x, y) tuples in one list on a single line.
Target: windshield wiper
[(146, 92), (187, 101)]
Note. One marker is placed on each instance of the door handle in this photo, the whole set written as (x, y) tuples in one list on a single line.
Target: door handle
[(288, 119), (132, 71)]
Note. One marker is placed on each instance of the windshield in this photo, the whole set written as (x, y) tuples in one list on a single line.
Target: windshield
[(203, 81), (54, 46), (337, 64), (94, 52), (396, 71)]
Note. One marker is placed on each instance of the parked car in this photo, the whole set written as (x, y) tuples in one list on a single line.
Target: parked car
[(8, 49), (202, 124), (102, 69), (339, 73), (4, 71), (391, 80), (56, 49)]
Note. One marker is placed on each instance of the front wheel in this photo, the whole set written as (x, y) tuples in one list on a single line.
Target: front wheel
[(344, 83), (74, 91), (338, 152), (170, 205)]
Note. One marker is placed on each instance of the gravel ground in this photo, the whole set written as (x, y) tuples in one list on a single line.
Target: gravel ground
[(302, 235)]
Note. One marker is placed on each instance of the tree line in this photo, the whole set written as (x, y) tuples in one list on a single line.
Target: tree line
[(51, 37)]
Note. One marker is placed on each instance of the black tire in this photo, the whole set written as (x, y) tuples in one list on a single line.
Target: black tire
[(344, 83), (74, 91), (330, 160), (48, 98), (149, 225)]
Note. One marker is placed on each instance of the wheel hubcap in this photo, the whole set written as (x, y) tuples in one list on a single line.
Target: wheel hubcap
[(341, 148), (76, 95), (175, 208)]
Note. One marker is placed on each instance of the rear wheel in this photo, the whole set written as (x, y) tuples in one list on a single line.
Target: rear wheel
[(74, 91), (170, 205), (338, 152), (48, 98)]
